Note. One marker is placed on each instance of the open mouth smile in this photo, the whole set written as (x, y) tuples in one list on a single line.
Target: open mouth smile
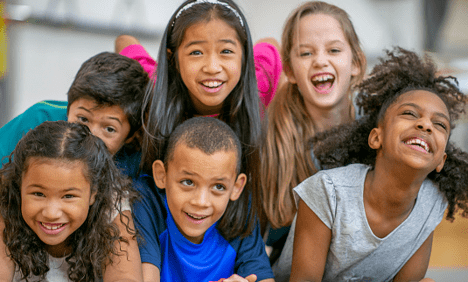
[(418, 144), (52, 228), (323, 82)]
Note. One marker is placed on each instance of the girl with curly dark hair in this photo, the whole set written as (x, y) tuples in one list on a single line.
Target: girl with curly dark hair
[(374, 218), (65, 210)]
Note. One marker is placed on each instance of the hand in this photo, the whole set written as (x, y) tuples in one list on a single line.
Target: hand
[(237, 278)]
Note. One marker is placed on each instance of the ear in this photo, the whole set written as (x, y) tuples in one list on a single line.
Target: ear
[(355, 70), (136, 135), (159, 174), (441, 164), (92, 199), (289, 74), (238, 187), (375, 138)]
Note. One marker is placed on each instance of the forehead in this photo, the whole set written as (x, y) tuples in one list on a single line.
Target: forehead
[(89, 104), (214, 30), (193, 159), (55, 172), (319, 26), (423, 98)]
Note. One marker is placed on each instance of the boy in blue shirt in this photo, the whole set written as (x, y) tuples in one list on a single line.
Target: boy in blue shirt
[(106, 95), (177, 218)]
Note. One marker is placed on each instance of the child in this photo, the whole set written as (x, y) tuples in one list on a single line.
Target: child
[(65, 213), (199, 180), (323, 61), (106, 95), (374, 220), (206, 67)]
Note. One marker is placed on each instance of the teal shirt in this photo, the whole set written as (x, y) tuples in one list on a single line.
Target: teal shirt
[(13, 131)]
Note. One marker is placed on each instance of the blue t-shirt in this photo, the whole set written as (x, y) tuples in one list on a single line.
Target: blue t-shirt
[(127, 159), (178, 259)]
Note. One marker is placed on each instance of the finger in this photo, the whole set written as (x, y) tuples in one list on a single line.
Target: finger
[(251, 278)]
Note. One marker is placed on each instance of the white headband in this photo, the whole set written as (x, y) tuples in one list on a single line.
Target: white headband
[(190, 5)]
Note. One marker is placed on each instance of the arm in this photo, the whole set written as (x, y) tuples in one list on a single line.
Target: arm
[(150, 272), (7, 270), (127, 265), (311, 243), (123, 41), (415, 268)]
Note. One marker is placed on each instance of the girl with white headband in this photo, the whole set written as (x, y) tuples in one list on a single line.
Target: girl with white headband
[(205, 68)]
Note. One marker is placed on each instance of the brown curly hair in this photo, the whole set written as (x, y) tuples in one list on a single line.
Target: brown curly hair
[(92, 243)]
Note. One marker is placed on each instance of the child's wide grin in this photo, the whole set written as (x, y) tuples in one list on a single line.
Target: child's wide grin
[(418, 144), (212, 86), (52, 228), (196, 218), (323, 82)]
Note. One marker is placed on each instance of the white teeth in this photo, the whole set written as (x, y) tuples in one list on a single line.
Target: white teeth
[(419, 142), (195, 217), (212, 84), (320, 78), (52, 227)]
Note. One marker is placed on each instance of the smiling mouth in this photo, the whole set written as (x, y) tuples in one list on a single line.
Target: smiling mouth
[(323, 82), (212, 84), (418, 143), (196, 217), (52, 226)]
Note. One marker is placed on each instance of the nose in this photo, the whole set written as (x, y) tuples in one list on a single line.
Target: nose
[(212, 64), (425, 124), (201, 198), (320, 60), (95, 130), (52, 211)]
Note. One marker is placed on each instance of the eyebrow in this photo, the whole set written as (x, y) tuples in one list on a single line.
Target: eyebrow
[(233, 42), (328, 43), (192, 173), (114, 118), (45, 188), (90, 112), (442, 115)]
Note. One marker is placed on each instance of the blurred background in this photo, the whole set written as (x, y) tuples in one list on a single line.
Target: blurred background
[(44, 42)]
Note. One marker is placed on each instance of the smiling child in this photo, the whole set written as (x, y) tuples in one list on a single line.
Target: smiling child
[(196, 184)]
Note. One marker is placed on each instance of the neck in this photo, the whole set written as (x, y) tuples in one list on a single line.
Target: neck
[(391, 190), (324, 119)]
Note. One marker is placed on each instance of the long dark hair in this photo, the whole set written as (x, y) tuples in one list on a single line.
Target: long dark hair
[(92, 243), (167, 104), (399, 72)]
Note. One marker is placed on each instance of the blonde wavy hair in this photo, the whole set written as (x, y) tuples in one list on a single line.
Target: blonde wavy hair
[(286, 159)]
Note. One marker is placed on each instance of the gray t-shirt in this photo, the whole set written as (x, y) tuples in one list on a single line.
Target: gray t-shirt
[(356, 254)]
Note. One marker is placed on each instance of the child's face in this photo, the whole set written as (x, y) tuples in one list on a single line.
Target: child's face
[(210, 64), (198, 188), (110, 124), (414, 132), (55, 199), (321, 62)]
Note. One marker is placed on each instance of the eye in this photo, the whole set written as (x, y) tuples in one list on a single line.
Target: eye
[(227, 51), (196, 53), (409, 113), (110, 129), (187, 182), (82, 119), (68, 196), (219, 187), (38, 194), (305, 54), (335, 50), (441, 125)]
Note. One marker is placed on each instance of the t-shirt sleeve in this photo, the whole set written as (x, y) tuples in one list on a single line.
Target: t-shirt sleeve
[(12, 132), (318, 193), (149, 214), (138, 53), (268, 69), (252, 258)]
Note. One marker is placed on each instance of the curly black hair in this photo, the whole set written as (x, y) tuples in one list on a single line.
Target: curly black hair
[(93, 242), (399, 72)]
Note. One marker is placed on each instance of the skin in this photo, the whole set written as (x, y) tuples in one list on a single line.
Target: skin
[(109, 123), (56, 191), (390, 190), (321, 48), (210, 53)]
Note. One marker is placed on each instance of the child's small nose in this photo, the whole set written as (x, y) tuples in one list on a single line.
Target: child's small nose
[(52, 211)]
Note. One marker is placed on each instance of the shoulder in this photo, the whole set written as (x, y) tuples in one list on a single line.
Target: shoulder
[(48, 110), (432, 194), (350, 175)]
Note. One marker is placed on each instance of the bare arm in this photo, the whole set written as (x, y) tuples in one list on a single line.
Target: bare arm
[(126, 266), (311, 243), (151, 273), (7, 270), (415, 268), (123, 41)]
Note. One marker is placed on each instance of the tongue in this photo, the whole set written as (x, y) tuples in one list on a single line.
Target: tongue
[(323, 85)]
